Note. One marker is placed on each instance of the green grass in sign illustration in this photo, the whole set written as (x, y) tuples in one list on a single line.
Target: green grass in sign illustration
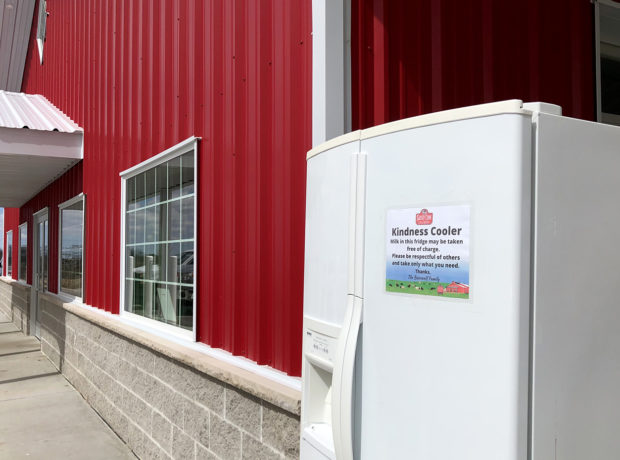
[(421, 288)]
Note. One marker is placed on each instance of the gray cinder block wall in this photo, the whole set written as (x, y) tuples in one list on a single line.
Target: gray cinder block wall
[(165, 401), (15, 303)]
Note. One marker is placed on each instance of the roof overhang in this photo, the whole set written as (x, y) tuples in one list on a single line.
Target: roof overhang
[(38, 143)]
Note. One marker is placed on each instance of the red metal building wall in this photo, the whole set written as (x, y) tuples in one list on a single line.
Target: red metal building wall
[(140, 77), (411, 57)]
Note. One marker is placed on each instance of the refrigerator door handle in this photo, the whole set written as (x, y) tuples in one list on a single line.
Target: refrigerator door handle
[(342, 390)]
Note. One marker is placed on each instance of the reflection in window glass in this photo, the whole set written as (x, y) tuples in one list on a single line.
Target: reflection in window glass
[(23, 252), (71, 243), (159, 251), (9, 253)]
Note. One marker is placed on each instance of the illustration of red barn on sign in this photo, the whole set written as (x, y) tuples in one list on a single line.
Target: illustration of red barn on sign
[(457, 288)]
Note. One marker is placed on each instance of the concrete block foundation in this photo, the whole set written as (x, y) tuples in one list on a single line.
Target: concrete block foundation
[(163, 401)]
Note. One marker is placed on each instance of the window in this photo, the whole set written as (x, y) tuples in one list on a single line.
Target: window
[(9, 253), (41, 28), (159, 241), (22, 265), (608, 61), (71, 214)]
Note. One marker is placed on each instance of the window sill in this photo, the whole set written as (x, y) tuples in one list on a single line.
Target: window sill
[(13, 282), (66, 298), (263, 382)]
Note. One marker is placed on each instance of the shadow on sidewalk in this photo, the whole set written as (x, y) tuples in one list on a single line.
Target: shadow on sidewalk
[(37, 376)]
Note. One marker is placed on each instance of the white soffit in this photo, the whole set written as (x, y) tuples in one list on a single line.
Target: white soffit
[(38, 143), (15, 24)]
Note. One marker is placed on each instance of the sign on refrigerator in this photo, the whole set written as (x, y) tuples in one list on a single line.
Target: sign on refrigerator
[(427, 251)]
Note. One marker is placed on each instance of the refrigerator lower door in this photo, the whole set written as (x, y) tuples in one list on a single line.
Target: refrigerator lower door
[(446, 291), (316, 443), (329, 285)]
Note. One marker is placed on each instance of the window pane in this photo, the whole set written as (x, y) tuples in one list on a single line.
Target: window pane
[(45, 255), (187, 218), (128, 295), (174, 178), (140, 225), (187, 263), (151, 224), (161, 263), (71, 219), (174, 220), (149, 183), (173, 253), (186, 307), (187, 173), (165, 303), (610, 85), (130, 220), (138, 298), (130, 262), (150, 260), (149, 290), (131, 194), (9, 253), (23, 254), (609, 59), (162, 223), (138, 262), (140, 191), (162, 183)]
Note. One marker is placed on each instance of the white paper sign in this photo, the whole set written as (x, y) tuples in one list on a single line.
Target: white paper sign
[(428, 251)]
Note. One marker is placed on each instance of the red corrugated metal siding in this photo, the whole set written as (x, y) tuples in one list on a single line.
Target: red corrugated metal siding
[(11, 222), (411, 57), (140, 77)]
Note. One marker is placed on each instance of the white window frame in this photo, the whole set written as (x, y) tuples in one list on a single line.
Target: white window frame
[(76, 199), (9, 240), (19, 252), (602, 117), (148, 324)]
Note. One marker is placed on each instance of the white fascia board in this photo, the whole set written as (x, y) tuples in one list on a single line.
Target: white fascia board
[(52, 144)]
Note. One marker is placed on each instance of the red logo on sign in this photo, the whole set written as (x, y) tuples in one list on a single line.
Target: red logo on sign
[(424, 217)]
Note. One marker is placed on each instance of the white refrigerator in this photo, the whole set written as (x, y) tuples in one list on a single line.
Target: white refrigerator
[(462, 281)]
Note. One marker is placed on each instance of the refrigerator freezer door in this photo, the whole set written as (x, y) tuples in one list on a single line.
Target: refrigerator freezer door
[(445, 348), (328, 287), (330, 233)]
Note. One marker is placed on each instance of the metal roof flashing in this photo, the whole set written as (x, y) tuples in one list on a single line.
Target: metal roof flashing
[(33, 111)]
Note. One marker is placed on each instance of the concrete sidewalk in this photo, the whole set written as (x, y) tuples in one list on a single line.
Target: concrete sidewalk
[(41, 415)]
